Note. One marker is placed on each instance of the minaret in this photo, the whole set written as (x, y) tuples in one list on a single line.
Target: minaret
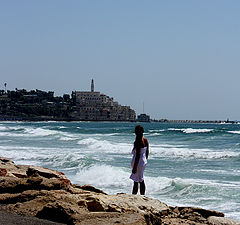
[(92, 86)]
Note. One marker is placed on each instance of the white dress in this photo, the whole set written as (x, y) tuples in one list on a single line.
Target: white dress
[(138, 176)]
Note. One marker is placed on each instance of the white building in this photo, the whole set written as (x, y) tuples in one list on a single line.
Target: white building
[(92, 105)]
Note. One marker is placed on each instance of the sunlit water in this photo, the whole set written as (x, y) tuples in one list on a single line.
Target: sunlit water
[(189, 164)]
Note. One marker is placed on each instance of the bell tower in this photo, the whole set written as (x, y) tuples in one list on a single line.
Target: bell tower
[(92, 86)]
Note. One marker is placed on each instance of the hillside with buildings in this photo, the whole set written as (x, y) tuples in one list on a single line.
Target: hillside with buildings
[(80, 106)]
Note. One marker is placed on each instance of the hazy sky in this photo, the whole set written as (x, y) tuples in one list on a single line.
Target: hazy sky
[(181, 58)]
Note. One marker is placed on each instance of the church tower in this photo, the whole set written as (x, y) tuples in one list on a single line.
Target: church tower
[(92, 86)]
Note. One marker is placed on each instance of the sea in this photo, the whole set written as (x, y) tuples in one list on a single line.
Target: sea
[(189, 164)]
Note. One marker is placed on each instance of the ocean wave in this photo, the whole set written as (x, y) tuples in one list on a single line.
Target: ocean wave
[(152, 134), (110, 179), (105, 146), (234, 132), (51, 157), (113, 179), (191, 130), (180, 152), (107, 135), (67, 138), (161, 130), (10, 128), (3, 128), (21, 131), (40, 132), (233, 172)]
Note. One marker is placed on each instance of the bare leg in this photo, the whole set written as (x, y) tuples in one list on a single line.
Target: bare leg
[(135, 188), (142, 188)]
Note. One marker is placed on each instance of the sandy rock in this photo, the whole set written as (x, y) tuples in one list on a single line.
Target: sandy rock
[(16, 178), (109, 218), (213, 220), (89, 188), (9, 169)]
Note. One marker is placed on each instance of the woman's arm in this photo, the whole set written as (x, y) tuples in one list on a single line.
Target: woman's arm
[(147, 145)]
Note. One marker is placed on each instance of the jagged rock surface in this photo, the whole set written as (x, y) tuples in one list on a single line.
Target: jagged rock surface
[(49, 194)]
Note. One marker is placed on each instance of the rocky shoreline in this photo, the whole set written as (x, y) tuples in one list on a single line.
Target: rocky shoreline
[(49, 195)]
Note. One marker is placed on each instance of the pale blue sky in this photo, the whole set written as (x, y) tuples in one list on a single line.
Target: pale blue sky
[(181, 58)]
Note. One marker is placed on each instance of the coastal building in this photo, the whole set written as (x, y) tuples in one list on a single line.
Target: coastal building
[(92, 105), (143, 118)]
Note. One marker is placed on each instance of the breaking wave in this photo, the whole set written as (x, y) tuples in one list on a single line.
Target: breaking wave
[(234, 132), (27, 132), (105, 146), (181, 152), (191, 130)]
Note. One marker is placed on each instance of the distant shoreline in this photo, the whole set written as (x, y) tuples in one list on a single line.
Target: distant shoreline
[(41, 119)]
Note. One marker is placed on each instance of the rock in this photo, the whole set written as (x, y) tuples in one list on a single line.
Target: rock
[(16, 179), (89, 188), (56, 213), (49, 194), (6, 160), (7, 218), (214, 220)]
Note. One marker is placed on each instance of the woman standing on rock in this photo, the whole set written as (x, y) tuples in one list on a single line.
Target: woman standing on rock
[(139, 160)]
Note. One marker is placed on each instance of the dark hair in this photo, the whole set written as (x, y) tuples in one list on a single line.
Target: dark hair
[(139, 134), (139, 130)]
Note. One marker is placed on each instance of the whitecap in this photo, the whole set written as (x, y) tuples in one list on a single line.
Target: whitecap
[(161, 130), (105, 146), (153, 134), (191, 130), (234, 132), (67, 138), (181, 152), (110, 179), (29, 132), (3, 128)]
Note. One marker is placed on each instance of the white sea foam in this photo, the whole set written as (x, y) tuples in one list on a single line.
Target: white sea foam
[(3, 128), (107, 135), (234, 132), (220, 171), (105, 146), (161, 130), (51, 157), (29, 132), (156, 151), (109, 178), (62, 127), (191, 130), (68, 138), (40, 131), (180, 152), (8, 128), (153, 134)]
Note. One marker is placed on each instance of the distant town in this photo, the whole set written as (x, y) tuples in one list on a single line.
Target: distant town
[(38, 105)]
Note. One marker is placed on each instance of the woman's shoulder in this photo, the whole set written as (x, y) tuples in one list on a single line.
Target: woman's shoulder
[(145, 141)]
